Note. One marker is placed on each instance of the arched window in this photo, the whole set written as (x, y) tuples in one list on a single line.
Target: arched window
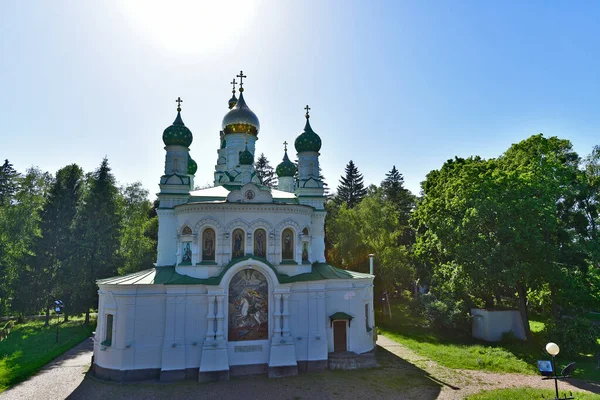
[(287, 244), (260, 243), (237, 243), (208, 245), (248, 306), (305, 231), (186, 230)]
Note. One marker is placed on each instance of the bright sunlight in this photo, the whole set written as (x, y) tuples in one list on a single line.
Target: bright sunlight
[(188, 26)]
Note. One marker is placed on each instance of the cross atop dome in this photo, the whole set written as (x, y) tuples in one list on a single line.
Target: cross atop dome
[(179, 101), (307, 108), (241, 76), (285, 146), (233, 82)]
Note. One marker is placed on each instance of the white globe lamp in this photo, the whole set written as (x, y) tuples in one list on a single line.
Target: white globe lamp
[(552, 349)]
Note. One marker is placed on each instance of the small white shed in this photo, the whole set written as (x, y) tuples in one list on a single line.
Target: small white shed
[(490, 324)]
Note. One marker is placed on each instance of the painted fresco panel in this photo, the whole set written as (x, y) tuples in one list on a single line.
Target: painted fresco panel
[(248, 306)]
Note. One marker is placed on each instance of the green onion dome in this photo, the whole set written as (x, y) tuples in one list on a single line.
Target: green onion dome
[(241, 119), (246, 158), (177, 134), (286, 168), (308, 140), (192, 166)]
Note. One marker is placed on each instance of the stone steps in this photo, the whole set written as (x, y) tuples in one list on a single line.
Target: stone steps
[(350, 360)]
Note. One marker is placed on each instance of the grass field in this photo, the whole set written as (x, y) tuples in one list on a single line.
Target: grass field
[(527, 394), (30, 345), (467, 353)]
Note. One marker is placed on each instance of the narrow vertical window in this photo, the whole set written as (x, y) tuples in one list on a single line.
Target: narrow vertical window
[(108, 331), (260, 243), (367, 317), (208, 245), (237, 243), (287, 244)]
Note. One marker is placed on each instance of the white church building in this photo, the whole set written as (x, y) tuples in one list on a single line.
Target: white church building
[(241, 284)]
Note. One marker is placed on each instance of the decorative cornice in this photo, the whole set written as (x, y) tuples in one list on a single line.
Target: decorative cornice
[(247, 207)]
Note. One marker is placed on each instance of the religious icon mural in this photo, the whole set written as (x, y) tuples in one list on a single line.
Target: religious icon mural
[(248, 306), (208, 245), (260, 243), (287, 244), (304, 252), (187, 252), (237, 243)]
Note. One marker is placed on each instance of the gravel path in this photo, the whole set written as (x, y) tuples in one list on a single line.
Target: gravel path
[(403, 375), (58, 379)]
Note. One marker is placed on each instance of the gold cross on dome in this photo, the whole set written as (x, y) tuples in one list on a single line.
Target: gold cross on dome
[(241, 76), (178, 101), (285, 145), (307, 108)]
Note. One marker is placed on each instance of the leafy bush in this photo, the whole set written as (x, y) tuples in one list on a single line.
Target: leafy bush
[(574, 335), (445, 314)]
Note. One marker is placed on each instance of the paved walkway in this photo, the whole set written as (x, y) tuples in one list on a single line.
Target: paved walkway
[(58, 379), (423, 379)]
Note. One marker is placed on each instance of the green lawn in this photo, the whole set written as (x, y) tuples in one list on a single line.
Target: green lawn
[(527, 394), (29, 346), (467, 353)]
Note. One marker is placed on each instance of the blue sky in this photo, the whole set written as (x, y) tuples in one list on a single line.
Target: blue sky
[(402, 83)]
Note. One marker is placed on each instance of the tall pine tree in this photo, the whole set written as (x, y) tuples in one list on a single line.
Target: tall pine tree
[(98, 232), (395, 192), (52, 267), (265, 171), (351, 189), (8, 182), (403, 201)]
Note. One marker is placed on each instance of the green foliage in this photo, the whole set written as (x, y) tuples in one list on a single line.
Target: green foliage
[(265, 172), (351, 189), (445, 315), (575, 335), (97, 229), (139, 230), (8, 182), (525, 393), (58, 235), (19, 230), (373, 226), (490, 229), (31, 345)]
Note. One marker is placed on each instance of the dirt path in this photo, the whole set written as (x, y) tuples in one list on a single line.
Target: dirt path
[(458, 383), (57, 379)]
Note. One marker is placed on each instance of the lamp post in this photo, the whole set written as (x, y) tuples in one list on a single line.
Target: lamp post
[(553, 350)]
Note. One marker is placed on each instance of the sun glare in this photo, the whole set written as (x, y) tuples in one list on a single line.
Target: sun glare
[(187, 26)]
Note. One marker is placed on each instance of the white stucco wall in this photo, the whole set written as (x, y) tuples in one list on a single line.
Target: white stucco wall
[(164, 327)]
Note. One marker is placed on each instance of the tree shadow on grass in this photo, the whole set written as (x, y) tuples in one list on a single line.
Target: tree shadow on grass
[(394, 379)]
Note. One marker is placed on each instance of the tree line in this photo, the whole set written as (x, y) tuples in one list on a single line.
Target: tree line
[(60, 233), (517, 231)]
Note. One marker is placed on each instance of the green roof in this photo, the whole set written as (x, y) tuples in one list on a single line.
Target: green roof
[(169, 276), (341, 315)]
